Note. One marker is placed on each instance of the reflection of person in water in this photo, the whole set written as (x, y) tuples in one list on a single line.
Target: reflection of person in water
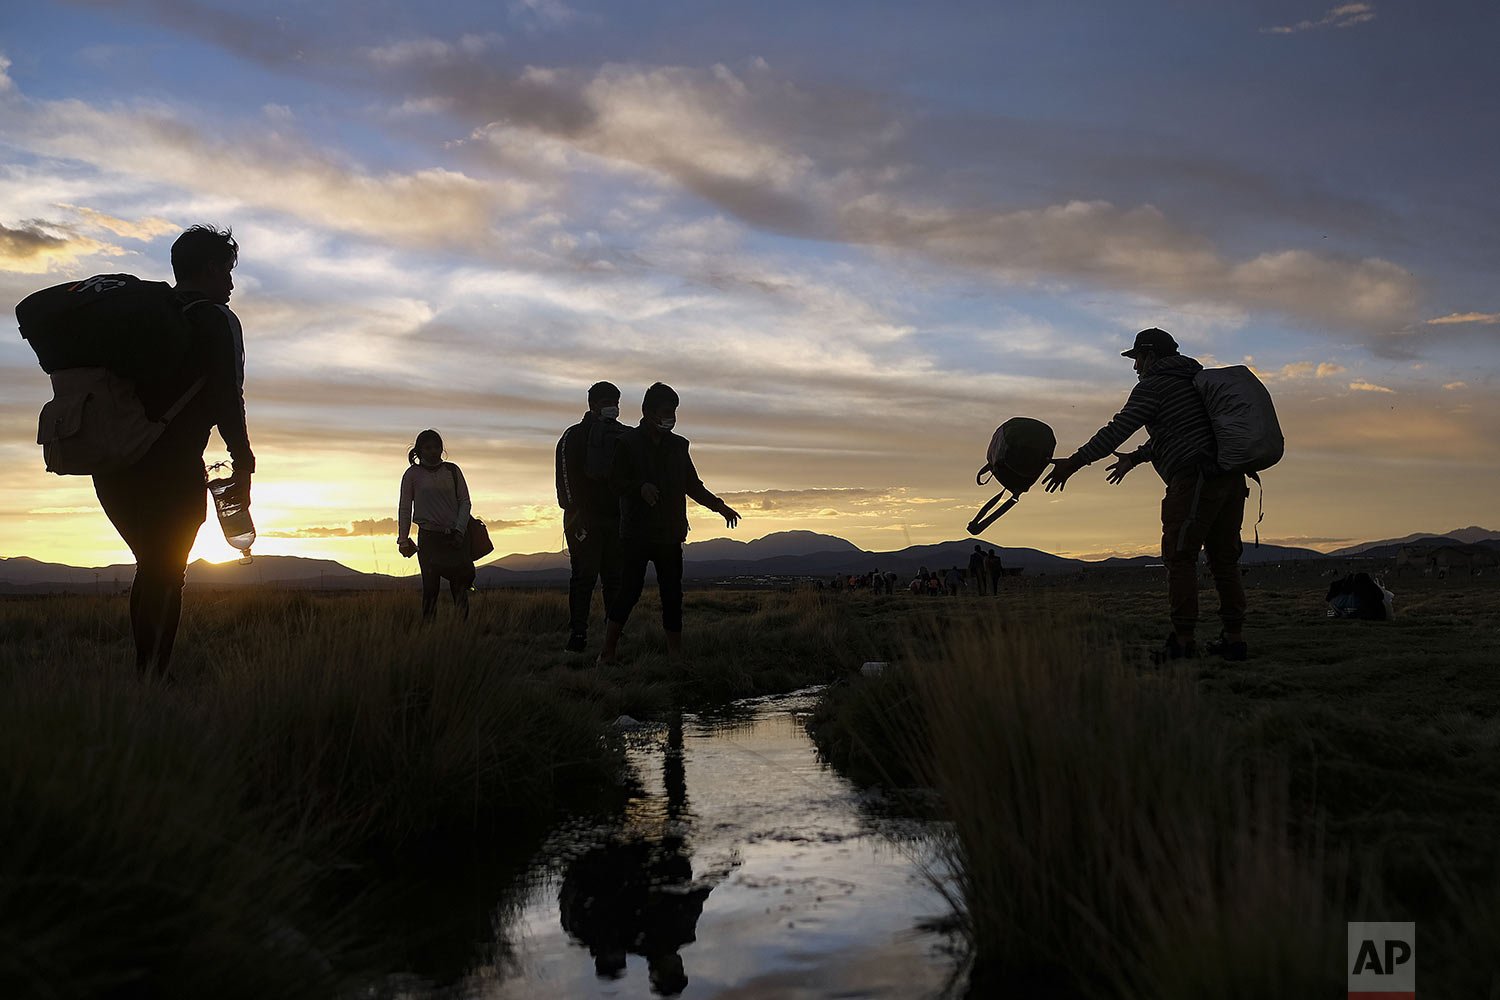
[(635, 894)]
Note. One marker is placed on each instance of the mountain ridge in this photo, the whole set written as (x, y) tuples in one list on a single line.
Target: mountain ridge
[(778, 554)]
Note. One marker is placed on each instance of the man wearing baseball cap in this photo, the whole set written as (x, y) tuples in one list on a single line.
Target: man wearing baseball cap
[(1203, 508)]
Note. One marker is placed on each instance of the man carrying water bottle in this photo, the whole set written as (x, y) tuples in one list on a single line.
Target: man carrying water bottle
[(158, 504)]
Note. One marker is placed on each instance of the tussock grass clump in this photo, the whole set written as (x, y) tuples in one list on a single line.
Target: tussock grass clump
[(132, 866), (1109, 836)]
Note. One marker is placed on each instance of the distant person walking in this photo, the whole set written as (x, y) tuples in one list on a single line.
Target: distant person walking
[(591, 511), (435, 496), (653, 476), (1202, 508), (158, 504), (995, 569), (976, 569), (953, 580)]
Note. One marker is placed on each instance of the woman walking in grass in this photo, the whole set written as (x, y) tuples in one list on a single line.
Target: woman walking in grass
[(435, 496)]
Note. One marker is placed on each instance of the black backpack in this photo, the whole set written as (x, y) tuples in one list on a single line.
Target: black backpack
[(133, 328), (1358, 596), (1018, 455), (103, 340)]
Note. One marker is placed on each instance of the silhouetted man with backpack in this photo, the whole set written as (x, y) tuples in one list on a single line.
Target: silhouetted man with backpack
[(158, 503), (591, 511), (1203, 507)]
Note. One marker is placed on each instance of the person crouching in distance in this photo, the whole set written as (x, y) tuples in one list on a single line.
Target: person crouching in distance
[(435, 496), (653, 476)]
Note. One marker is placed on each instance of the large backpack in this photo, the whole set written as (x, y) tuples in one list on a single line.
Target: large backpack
[(1018, 455), (101, 339), (1247, 435), (136, 329), (1246, 431)]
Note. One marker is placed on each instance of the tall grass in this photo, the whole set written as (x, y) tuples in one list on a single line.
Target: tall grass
[(178, 840), (1109, 837), (221, 835)]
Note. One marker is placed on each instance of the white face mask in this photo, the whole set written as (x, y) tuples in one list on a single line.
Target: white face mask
[(609, 412), (666, 423)]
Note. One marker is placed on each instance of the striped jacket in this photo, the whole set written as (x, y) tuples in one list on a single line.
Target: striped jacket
[(1168, 405)]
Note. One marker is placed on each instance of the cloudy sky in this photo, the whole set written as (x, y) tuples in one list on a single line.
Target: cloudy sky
[(854, 236)]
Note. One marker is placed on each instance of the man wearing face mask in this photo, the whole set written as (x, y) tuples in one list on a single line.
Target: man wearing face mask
[(653, 475), (591, 513)]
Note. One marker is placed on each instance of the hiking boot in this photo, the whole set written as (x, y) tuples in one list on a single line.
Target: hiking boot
[(1234, 652), (576, 642), (1172, 649)]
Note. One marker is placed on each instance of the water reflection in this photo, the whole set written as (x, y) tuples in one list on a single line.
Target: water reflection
[(635, 893), (733, 866)]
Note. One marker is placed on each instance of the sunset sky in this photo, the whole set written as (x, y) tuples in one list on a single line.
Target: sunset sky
[(854, 236)]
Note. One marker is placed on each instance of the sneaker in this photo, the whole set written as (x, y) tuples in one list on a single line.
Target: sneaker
[(1174, 650), (576, 642), (1235, 652)]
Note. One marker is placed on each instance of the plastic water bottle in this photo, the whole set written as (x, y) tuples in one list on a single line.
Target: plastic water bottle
[(233, 508)]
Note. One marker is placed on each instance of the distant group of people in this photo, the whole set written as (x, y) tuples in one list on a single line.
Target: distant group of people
[(623, 493), (623, 490)]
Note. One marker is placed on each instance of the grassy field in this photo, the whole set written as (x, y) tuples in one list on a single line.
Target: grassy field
[(226, 834), (1117, 829), (1121, 829)]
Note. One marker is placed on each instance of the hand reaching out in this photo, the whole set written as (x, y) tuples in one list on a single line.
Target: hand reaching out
[(1057, 477), (1120, 469), (731, 516)]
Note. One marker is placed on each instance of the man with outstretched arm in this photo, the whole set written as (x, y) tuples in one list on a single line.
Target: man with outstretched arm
[(1203, 508), (653, 476), (591, 512), (159, 503)]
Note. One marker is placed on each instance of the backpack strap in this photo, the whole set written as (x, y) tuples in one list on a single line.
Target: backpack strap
[(981, 521), (1261, 501), (186, 398)]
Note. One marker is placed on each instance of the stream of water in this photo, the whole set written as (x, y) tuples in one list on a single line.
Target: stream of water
[(739, 867)]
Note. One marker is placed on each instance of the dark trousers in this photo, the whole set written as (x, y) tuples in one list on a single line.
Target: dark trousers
[(1203, 513), (441, 557), (995, 582), (635, 554), (594, 554), (157, 507)]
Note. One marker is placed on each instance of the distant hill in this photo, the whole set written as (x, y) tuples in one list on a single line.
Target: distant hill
[(776, 544), (1426, 543), (780, 554), (1252, 555), (1468, 535)]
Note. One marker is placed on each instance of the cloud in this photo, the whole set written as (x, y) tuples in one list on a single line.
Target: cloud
[(142, 229), (1455, 386), (543, 13), (1468, 317), (1303, 369), (357, 529), (36, 246), (836, 164), (431, 50), (271, 170), (1363, 386), (1343, 16)]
